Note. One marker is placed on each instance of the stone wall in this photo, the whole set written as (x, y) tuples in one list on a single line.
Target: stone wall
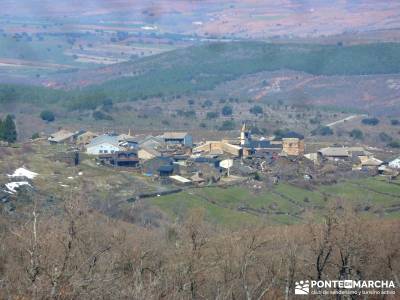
[(293, 146)]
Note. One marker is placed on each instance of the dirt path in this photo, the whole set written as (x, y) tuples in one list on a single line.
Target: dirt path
[(344, 120), (304, 82)]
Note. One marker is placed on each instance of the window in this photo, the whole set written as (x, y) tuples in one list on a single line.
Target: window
[(101, 151), (105, 151)]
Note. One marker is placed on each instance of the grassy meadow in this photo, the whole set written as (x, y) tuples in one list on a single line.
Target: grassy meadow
[(284, 203)]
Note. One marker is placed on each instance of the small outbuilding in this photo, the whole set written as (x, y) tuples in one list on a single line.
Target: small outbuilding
[(151, 167)]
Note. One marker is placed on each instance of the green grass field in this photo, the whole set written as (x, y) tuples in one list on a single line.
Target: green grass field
[(178, 205), (283, 204), (50, 49)]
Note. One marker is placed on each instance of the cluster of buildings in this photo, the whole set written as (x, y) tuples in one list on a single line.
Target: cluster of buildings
[(357, 157), (173, 156), (289, 144)]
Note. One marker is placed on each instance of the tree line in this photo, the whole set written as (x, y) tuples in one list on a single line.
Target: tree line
[(79, 253)]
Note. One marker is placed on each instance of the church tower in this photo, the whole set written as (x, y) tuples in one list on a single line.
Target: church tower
[(244, 135)]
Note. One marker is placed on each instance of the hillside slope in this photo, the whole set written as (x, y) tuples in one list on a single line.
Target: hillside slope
[(229, 60), (203, 68)]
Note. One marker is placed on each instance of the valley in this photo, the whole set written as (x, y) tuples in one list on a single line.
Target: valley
[(174, 149)]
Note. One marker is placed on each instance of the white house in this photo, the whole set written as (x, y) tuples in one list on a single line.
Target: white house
[(103, 148), (104, 144)]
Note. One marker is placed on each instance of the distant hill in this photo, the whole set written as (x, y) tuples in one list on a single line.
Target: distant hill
[(202, 68), (231, 18)]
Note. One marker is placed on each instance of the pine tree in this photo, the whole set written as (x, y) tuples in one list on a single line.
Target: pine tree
[(9, 131)]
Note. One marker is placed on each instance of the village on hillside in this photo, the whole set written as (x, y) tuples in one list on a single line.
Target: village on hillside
[(174, 157)]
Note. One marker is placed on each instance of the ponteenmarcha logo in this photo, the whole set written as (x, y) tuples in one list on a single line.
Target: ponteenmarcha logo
[(302, 287), (365, 287)]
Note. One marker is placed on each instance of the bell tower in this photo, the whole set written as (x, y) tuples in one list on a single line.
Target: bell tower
[(245, 135)]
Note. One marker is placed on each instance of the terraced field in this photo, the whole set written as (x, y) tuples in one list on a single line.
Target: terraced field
[(285, 203)]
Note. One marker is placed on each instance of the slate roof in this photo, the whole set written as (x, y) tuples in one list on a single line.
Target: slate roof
[(175, 135), (125, 137), (344, 151), (166, 168), (293, 134), (334, 151), (131, 140), (87, 134), (203, 159), (290, 135), (151, 142), (105, 138)]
